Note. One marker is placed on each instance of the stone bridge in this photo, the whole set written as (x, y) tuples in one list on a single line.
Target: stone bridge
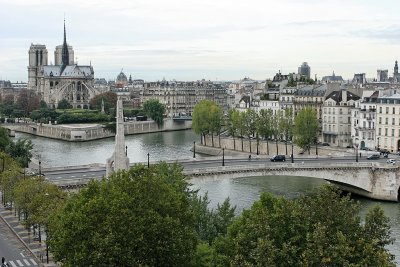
[(372, 180)]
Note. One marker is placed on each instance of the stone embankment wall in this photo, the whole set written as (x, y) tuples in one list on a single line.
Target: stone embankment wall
[(89, 132), (264, 149)]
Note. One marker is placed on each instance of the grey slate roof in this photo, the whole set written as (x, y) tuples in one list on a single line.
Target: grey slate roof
[(69, 71)]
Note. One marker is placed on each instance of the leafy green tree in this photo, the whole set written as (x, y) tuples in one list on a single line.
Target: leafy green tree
[(21, 151), (232, 124), (27, 101), (275, 122), (306, 128), (201, 123), (64, 104), (286, 125), (155, 110), (4, 138), (109, 99), (250, 124), (140, 217), (264, 125), (42, 104), (217, 118), (320, 229)]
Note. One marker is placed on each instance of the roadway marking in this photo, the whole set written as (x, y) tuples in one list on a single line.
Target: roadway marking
[(59, 177), (19, 263), (23, 256), (33, 262), (84, 175), (27, 262), (72, 176), (13, 264)]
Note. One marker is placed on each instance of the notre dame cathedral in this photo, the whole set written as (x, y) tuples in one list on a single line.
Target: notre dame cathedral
[(63, 80)]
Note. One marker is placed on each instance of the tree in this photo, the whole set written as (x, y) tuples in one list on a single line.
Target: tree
[(21, 151), (264, 125), (306, 128), (27, 101), (233, 124), (286, 125), (155, 110), (139, 217), (216, 119), (250, 122), (109, 99), (4, 138), (201, 123), (320, 229), (64, 104)]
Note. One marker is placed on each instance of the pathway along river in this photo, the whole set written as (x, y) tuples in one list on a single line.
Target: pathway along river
[(176, 145)]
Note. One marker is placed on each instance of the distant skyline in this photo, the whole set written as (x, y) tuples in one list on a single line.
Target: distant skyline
[(205, 39)]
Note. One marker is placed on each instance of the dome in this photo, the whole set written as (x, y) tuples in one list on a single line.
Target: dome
[(122, 79)]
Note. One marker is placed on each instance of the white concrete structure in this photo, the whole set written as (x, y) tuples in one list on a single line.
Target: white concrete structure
[(336, 121), (118, 160), (388, 122), (364, 120)]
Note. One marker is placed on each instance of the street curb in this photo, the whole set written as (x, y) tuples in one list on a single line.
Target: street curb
[(23, 242)]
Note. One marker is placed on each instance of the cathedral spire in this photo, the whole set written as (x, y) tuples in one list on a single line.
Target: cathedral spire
[(65, 52), (396, 68)]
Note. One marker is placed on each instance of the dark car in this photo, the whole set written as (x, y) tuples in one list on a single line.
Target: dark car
[(278, 158), (375, 156), (325, 144)]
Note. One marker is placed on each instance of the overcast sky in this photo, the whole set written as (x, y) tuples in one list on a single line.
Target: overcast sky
[(210, 39)]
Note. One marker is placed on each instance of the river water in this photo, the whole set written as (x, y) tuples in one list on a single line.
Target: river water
[(176, 145)]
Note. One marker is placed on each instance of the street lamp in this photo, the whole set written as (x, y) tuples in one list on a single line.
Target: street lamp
[(223, 156), (194, 149), (378, 143), (148, 160), (356, 145), (292, 152)]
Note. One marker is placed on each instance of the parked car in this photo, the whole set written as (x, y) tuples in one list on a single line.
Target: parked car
[(374, 156), (278, 158), (325, 144), (391, 161)]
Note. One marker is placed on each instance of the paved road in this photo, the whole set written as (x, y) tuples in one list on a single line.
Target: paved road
[(12, 248), (98, 172)]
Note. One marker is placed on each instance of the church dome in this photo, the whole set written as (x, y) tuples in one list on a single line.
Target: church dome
[(121, 78)]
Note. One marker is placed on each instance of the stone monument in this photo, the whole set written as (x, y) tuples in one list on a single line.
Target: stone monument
[(118, 160)]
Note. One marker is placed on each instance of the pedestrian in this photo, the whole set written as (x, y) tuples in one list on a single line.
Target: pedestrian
[(3, 262)]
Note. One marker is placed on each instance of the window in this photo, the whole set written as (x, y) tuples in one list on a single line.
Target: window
[(386, 121), (392, 132), (363, 124), (380, 120), (379, 131), (380, 109), (393, 121), (386, 131), (340, 111), (387, 110), (394, 110)]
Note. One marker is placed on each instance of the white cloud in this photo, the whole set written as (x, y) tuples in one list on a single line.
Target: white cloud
[(196, 39)]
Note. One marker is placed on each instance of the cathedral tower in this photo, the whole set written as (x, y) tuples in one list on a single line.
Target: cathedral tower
[(37, 57)]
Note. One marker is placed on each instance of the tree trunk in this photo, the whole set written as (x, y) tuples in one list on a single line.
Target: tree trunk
[(267, 147), (250, 144), (242, 143), (219, 139), (276, 142), (234, 143), (212, 139), (258, 143)]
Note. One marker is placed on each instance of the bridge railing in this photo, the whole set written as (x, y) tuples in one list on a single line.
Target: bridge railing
[(254, 167)]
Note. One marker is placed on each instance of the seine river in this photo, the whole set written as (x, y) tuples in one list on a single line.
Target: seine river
[(176, 145)]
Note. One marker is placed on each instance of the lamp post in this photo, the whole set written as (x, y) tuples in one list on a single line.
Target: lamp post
[(148, 160), (194, 149), (356, 145), (223, 156), (378, 144), (40, 166), (292, 152), (126, 150)]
